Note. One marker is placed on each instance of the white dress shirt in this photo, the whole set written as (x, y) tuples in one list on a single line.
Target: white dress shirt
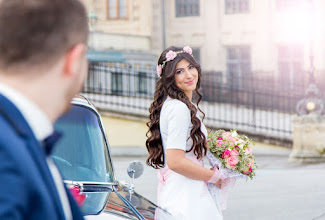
[(42, 128)]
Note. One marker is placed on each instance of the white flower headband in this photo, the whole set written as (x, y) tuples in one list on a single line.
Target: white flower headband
[(170, 55)]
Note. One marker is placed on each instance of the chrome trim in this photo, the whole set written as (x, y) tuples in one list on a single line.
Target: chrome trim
[(92, 186)]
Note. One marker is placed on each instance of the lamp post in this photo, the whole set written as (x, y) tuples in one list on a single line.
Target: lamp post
[(92, 20), (311, 103), (308, 127)]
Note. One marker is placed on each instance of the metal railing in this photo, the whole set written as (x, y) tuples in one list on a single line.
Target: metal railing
[(256, 106)]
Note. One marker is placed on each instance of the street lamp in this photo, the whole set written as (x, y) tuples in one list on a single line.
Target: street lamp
[(311, 103), (92, 20)]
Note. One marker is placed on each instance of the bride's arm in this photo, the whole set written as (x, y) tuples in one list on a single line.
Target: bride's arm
[(178, 163)]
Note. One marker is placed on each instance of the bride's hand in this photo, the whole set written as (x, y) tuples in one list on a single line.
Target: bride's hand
[(218, 183)]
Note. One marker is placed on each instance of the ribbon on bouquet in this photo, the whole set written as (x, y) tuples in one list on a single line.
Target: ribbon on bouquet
[(220, 196)]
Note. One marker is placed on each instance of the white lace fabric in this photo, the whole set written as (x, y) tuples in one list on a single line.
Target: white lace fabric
[(228, 176)]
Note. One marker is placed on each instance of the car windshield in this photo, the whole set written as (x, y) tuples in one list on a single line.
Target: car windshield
[(82, 154)]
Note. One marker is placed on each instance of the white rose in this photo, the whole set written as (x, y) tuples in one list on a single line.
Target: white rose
[(240, 141), (234, 134)]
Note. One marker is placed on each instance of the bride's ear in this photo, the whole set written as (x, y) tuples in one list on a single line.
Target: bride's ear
[(73, 59)]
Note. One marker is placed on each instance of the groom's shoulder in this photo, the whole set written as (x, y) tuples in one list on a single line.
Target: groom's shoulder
[(9, 138)]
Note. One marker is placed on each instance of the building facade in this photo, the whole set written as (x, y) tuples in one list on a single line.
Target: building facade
[(120, 24), (244, 38), (120, 52)]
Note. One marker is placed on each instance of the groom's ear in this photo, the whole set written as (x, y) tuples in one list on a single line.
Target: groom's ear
[(73, 59)]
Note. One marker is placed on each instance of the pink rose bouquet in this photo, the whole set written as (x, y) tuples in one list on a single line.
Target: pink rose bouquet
[(231, 151), (232, 155)]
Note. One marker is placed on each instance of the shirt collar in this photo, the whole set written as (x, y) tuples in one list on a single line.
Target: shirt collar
[(35, 117)]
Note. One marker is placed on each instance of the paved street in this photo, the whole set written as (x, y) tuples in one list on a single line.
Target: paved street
[(279, 191)]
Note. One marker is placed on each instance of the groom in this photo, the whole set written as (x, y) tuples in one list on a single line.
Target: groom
[(42, 66)]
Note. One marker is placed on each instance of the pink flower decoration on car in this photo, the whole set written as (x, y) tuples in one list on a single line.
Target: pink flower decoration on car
[(79, 197), (188, 50), (159, 70), (170, 55)]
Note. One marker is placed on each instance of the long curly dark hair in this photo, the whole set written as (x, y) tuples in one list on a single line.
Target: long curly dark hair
[(165, 87)]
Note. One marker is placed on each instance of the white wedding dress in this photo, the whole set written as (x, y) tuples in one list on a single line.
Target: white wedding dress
[(183, 198)]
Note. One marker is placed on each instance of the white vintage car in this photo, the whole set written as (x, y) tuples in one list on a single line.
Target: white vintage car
[(82, 155)]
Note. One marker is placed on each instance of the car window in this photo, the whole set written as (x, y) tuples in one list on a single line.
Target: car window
[(81, 154)]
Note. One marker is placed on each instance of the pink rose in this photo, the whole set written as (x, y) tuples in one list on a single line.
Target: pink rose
[(234, 153), (220, 143), (248, 151), (232, 162), (226, 154), (249, 171), (233, 140), (207, 143), (236, 148), (159, 70), (171, 55), (225, 135), (188, 50), (249, 163), (219, 138)]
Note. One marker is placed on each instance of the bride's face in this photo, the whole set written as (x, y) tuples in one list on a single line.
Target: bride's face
[(186, 77)]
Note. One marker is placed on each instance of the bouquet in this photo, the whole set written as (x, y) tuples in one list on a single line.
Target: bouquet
[(232, 155)]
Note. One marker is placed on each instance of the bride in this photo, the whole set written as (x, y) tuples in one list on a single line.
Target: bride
[(176, 139)]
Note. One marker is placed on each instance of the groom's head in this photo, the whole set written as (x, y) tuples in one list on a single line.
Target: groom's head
[(38, 32)]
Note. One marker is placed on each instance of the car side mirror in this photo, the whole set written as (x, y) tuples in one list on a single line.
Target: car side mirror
[(135, 170)]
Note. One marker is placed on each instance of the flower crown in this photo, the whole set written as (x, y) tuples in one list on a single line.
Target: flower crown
[(170, 55)]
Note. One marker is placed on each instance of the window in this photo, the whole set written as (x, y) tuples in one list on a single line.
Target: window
[(238, 65), (197, 54), (236, 6), (142, 82), (117, 83), (290, 63), (117, 9), (187, 8), (287, 4)]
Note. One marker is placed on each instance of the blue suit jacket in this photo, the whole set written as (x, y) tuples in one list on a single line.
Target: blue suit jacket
[(27, 189)]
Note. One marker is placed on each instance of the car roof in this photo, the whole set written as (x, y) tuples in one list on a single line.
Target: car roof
[(83, 101)]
